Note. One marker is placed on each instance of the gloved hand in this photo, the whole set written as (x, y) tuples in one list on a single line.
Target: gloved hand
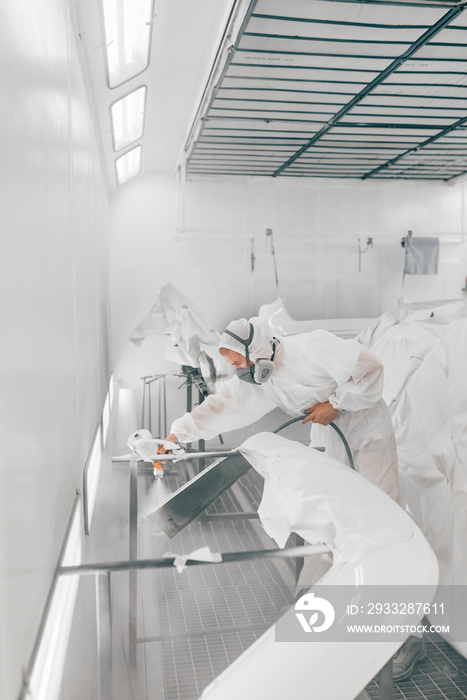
[(170, 438), (323, 413)]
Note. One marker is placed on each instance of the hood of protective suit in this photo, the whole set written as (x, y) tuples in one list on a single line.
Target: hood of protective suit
[(261, 344)]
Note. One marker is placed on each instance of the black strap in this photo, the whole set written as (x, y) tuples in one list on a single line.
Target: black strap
[(247, 342), (274, 341), (244, 342)]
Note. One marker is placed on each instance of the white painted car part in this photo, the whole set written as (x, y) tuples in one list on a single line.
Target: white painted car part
[(374, 542), (281, 323)]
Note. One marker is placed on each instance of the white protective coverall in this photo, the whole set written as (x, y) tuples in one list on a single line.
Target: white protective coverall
[(310, 368)]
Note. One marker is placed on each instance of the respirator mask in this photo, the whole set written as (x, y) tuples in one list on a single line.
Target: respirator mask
[(261, 370)]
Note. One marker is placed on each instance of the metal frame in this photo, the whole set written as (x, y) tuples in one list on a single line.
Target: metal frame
[(169, 562), (250, 127), (161, 400), (104, 635)]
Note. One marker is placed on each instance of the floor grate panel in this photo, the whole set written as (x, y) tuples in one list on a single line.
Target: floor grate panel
[(208, 615), (441, 675)]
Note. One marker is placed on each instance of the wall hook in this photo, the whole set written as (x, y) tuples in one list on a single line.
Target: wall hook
[(369, 244)]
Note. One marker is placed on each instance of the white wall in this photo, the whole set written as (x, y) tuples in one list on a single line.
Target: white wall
[(54, 308), (316, 226)]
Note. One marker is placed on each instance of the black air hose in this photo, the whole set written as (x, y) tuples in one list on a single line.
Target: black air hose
[(338, 431)]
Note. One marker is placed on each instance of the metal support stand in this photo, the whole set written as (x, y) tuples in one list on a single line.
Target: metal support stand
[(386, 687), (104, 635), (161, 401), (133, 574), (168, 562), (194, 377), (299, 561)]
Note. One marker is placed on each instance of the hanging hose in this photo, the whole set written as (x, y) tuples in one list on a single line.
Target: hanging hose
[(338, 431)]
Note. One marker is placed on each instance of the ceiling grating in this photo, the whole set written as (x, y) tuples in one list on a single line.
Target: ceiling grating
[(341, 89)]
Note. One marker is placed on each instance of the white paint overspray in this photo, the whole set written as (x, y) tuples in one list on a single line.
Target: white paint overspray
[(156, 491)]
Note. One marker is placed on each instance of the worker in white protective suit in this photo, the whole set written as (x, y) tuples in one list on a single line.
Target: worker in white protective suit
[(319, 374)]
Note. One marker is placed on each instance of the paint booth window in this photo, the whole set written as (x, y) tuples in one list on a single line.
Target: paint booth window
[(128, 31), (128, 166), (127, 117)]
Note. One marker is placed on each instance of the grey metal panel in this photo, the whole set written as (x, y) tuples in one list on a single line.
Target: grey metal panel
[(286, 130), (193, 498), (437, 122), (278, 106), (283, 144), (447, 52), (324, 46), (270, 71), (232, 82), (338, 29), (451, 102), (343, 11), (283, 95), (316, 60)]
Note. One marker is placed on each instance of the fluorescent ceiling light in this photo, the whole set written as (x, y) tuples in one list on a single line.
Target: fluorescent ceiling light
[(128, 31), (129, 165), (128, 118)]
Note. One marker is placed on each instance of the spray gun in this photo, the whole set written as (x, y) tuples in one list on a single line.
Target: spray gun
[(144, 447), (147, 448)]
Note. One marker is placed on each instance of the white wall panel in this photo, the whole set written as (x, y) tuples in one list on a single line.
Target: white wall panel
[(53, 366)]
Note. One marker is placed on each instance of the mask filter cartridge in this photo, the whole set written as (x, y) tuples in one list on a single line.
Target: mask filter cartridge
[(263, 370)]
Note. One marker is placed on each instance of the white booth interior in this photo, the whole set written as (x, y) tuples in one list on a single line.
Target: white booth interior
[(84, 264)]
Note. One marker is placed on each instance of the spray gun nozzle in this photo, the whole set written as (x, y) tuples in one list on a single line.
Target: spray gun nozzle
[(158, 467), (158, 470)]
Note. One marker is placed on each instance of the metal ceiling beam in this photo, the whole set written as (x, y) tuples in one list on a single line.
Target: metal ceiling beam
[(368, 57), (464, 172), (431, 72), (406, 95), (291, 80), (374, 105), (424, 39), (404, 3), (384, 125), (245, 88), (330, 39), (442, 133), (396, 83), (281, 102)]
